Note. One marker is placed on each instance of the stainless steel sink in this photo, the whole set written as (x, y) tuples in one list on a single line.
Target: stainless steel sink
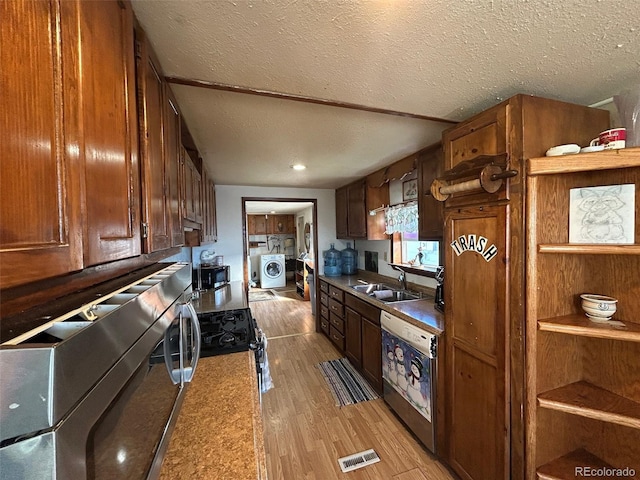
[(369, 288), (385, 293)]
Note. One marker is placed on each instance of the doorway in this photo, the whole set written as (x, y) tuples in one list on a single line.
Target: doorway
[(267, 231)]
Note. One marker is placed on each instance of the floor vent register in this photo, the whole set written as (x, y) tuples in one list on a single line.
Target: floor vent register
[(358, 460)]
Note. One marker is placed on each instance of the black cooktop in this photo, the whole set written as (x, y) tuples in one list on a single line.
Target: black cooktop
[(226, 332)]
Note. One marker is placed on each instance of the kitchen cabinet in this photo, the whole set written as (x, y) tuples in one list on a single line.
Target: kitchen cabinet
[(324, 307), (430, 211), (210, 226), (41, 160), (159, 153), (485, 285), (257, 224), (351, 215), (336, 317), (583, 401), (60, 147), (192, 188), (300, 274), (109, 131), (363, 339)]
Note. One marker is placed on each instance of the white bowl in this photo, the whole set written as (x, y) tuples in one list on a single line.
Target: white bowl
[(598, 307)]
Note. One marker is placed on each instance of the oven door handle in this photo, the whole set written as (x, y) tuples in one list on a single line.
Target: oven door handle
[(196, 341)]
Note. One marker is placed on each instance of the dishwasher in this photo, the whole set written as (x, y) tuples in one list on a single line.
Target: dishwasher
[(409, 375)]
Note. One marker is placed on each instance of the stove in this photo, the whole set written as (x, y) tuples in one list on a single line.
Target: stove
[(227, 332)]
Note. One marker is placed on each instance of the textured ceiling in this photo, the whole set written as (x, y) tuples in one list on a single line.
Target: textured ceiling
[(439, 58)]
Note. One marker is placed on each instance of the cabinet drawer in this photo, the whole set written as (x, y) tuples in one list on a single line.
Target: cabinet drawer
[(336, 293), (336, 322), (324, 325), (324, 298), (324, 311), (336, 337), (336, 308), (365, 309), (324, 287)]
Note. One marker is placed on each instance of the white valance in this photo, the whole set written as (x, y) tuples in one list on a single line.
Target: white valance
[(401, 219)]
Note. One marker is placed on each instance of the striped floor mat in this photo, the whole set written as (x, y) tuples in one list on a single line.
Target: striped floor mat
[(346, 384)]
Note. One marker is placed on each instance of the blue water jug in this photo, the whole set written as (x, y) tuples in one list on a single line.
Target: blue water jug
[(332, 262), (349, 260)]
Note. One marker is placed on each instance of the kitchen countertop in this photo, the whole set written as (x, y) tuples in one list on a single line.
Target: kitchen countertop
[(231, 296), (219, 432), (420, 313)]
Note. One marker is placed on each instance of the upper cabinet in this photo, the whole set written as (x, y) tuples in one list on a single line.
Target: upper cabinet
[(41, 158), (159, 153), (71, 155), (209, 227), (271, 224), (351, 213), (430, 211), (110, 129), (192, 188)]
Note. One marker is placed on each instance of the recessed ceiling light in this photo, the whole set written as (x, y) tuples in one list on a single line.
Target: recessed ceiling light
[(298, 166)]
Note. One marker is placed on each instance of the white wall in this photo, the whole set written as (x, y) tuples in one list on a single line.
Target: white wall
[(229, 218)]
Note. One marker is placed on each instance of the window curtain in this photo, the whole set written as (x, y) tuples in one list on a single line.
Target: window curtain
[(401, 219)]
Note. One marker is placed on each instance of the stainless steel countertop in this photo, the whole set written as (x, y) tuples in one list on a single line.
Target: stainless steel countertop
[(420, 313), (232, 296)]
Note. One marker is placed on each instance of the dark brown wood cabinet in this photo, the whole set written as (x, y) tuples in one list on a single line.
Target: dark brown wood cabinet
[(110, 130), (430, 211), (257, 224), (372, 352), (485, 285), (192, 187), (353, 337), (210, 225), (71, 161), (41, 161), (351, 213), (159, 137)]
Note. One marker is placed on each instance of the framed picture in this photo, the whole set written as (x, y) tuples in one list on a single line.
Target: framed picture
[(410, 190), (602, 214)]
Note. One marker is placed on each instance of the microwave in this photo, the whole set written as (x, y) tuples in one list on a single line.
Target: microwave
[(211, 277)]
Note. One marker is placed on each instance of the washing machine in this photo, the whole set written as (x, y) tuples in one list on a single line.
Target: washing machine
[(272, 271)]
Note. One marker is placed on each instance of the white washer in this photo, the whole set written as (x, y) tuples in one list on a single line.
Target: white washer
[(272, 271)]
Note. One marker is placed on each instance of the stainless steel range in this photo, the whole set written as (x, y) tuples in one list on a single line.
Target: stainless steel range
[(93, 393)]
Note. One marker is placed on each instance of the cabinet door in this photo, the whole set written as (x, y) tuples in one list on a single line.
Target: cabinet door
[(341, 213), (430, 210), (172, 143), (192, 190), (476, 331), (112, 183), (372, 354), (357, 217), (260, 222), (40, 168), (353, 337), (155, 213), (209, 220)]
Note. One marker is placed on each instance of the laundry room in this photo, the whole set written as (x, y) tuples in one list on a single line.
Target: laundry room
[(272, 253)]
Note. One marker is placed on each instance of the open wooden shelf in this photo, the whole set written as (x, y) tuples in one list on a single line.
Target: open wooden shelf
[(587, 400), (589, 249), (579, 324), (584, 162), (564, 468)]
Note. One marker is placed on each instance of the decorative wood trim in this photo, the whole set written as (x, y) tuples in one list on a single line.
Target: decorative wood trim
[(300, 98)]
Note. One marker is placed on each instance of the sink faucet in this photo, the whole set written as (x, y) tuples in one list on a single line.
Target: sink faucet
[(402, 277)]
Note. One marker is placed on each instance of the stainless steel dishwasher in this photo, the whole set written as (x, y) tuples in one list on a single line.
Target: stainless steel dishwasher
[(409, 375)]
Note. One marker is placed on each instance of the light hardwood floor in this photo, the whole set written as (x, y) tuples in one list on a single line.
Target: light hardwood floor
[(305, 433)]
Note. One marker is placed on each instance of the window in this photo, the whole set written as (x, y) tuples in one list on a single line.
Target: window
[(420, 254)]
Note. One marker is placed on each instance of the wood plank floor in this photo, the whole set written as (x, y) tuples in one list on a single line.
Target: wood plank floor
[(305, 433)]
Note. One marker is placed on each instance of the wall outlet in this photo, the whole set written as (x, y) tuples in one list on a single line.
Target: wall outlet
[(384, 257)]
